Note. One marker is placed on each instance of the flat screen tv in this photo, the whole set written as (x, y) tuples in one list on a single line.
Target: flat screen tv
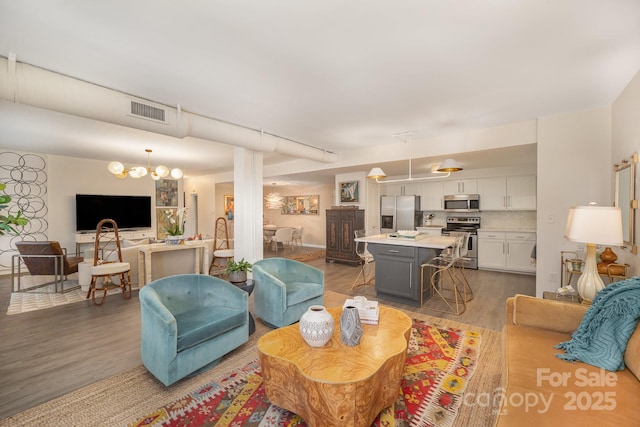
[(127, 211)]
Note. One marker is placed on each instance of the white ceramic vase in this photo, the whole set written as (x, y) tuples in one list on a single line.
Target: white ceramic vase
[(316, 326)]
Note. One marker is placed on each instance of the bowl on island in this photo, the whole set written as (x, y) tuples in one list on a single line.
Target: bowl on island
[(408, 233)]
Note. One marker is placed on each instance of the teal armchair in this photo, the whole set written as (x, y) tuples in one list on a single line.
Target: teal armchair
[(189, 322), (285, 289)]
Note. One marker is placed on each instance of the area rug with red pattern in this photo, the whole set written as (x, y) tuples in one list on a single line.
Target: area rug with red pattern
[(439, 364)]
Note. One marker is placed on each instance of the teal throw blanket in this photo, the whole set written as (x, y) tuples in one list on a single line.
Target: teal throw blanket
[(602, 336)]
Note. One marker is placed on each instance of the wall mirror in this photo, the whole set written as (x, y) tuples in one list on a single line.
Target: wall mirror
[(625, 199), (301, 205)]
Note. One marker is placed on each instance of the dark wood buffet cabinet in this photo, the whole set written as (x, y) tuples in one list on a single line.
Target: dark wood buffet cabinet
[(341, 224)]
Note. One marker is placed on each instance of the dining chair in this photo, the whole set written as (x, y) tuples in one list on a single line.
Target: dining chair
[(283, 236), (297, 236)]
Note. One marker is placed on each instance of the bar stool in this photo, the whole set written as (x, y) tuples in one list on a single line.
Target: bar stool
[(366, 257), (444, 282), (458, 262)]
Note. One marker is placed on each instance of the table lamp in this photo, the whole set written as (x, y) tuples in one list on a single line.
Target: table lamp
[(593, 225)]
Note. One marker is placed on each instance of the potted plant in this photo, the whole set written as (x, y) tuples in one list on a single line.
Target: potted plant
[(175, 230), (8, 221), (238, 270)]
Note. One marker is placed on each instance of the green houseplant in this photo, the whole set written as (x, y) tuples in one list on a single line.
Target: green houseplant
[(238, 270), (7, 222)]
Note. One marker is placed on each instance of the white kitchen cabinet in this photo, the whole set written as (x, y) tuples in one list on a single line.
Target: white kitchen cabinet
[(508, 251), (461, 186), (491, 250), (403, 189), (493, 193), (521, 192), (507, 193), (431, 196)]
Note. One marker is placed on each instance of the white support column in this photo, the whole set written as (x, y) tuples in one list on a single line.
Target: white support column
[(247, 194)]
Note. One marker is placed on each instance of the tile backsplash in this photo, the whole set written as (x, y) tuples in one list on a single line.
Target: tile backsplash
[(525, 220), (509, 219)]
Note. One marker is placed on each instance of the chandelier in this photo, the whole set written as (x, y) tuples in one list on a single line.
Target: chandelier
[(161, 171), (274, 201)]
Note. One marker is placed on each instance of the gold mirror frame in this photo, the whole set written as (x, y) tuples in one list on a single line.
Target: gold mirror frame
[(625, 178)]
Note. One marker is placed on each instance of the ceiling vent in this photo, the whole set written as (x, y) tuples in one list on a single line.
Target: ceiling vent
[(149, 112)]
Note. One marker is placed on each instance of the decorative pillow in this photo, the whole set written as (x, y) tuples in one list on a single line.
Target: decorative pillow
[(129, 243)]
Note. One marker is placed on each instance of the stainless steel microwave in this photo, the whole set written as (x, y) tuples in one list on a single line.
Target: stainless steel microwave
[(462, 203)]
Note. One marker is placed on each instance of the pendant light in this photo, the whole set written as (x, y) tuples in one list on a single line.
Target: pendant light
[(161, 171)]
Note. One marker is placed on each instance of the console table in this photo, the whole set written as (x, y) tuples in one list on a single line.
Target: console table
[(90, 237), (145, 260)]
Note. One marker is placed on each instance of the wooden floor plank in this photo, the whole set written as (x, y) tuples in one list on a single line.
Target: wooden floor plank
[(47, 353)]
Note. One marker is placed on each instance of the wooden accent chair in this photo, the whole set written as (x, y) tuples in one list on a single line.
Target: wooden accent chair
[(45, 258), (222, 251), (107, 263)]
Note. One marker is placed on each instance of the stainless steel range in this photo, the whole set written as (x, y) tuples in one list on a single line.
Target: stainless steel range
[(469, 224)]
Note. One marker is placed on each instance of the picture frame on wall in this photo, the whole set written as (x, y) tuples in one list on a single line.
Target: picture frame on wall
[(349, 192), (164, 217), (166, 192), (228, 206)]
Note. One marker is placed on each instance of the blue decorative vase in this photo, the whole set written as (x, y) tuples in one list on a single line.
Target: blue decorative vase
[(350, 326)]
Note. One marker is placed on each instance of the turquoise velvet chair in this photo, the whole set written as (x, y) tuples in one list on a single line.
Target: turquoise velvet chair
[(285, 289), (189, 322)]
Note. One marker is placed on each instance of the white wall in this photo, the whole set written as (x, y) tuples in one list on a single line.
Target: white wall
[(314, 232), (205, 188), (625, 126), (70, 175), (574, 168)]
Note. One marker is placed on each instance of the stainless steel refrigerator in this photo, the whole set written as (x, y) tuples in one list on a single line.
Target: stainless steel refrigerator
[(399, 213)]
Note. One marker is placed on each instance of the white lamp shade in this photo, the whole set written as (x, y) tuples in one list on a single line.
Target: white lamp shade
[(133, 173), (162, 171), (449, 165), (155, 176), (376, 173), (600, 225), (115, 168), (176, 173)]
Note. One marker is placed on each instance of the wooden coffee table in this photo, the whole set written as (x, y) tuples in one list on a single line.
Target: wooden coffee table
[(336, 385)]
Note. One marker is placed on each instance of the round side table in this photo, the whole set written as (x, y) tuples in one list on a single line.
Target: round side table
[(248, 287)]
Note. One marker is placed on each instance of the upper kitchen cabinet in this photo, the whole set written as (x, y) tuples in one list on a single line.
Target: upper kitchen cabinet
[(462, 186), (507, 193), (431, 196), (402, 189)]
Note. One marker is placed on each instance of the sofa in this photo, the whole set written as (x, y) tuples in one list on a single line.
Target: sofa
[(164, 264), (285, 289), (188, 322), (541, 389)]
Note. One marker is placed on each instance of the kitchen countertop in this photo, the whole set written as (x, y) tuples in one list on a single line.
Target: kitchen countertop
[(432, 242)]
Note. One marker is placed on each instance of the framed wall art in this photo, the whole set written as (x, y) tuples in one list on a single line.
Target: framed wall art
[(228, 206), (166, 192), (349, 192)]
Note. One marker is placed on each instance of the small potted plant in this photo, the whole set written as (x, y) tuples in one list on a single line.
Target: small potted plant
[(238, 270)]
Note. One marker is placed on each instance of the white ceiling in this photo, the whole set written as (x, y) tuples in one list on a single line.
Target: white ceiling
[(336, 75)]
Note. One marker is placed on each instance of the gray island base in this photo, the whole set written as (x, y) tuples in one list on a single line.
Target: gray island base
[(398, 262)]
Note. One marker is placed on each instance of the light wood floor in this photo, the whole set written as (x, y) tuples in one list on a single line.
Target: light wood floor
[(47, 353)]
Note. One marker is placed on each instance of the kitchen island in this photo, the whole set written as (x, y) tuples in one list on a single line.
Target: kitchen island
[(398, 262)]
